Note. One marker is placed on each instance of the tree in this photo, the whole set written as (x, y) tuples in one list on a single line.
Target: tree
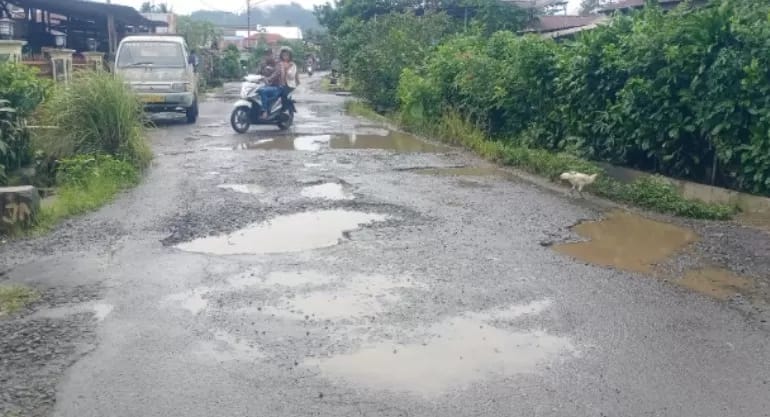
[(198, 34), (151, 7), (591, 6)]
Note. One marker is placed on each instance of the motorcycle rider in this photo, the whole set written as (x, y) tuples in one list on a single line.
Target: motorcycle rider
[(272, 88), (287, 79)]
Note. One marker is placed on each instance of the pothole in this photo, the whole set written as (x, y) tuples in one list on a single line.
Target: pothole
[(242, 188), (327, 191), (449, 355), (290, 233), (715, 282), (627, 241), (393, 141)]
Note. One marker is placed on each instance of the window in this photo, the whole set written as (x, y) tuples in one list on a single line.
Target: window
[(156, 54)]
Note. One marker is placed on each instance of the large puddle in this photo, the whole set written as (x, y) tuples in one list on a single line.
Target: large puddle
[(291, 233), (627, 241), (450, 355), (393, 141)]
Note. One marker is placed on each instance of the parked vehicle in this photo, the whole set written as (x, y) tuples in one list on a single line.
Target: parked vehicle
[(161, 70), (247, 110)]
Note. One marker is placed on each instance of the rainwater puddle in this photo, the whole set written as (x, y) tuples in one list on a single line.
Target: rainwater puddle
[(715, 282), (242, 188), (454, 354), (394, 141), (327, 191), (290, 233), (226, 347), (627, 241), (462, 171), (191, 301), (361, 296)]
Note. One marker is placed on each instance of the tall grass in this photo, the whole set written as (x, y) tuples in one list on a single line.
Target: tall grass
[(95, 113)]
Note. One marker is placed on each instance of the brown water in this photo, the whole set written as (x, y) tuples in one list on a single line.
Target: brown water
[(449, 355), (627, 241), (393, 141), (715, 282), (291, 233)]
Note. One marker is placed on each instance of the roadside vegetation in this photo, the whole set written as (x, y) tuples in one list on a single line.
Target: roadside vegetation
[(15, 297), (682, 93), (88, 143)]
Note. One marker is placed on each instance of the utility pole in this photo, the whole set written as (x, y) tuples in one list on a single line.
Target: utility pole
[(248, 23)]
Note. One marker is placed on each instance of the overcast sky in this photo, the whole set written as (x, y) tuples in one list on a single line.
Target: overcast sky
[(188, 6)]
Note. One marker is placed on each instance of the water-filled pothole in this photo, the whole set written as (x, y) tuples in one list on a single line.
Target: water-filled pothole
[(242, 188), (290, 233), (327, 191), (394, 141), (715, 282), (627, 241), (449, 355)]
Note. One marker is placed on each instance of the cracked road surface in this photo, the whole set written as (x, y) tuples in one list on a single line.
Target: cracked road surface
[(341, 269)]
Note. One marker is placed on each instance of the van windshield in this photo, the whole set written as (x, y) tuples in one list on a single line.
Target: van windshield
[(156, 54)]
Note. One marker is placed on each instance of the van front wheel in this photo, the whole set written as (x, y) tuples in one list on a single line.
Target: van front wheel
[(192, 112)]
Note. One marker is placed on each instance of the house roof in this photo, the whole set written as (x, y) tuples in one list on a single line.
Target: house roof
[(124, 14), (555, 23), (632, 4), (268, 37), (535, 4)]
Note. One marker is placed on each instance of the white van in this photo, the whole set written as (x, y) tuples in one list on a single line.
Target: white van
[(159, 70)]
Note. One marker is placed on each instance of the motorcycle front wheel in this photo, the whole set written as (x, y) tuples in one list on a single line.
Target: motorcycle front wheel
[(239, 119)]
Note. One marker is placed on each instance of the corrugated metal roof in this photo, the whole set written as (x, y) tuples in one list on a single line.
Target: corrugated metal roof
[(124, 14)]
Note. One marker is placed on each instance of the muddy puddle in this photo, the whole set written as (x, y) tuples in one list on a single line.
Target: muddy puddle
[(352, 298), (290, 233), (99, 310), (242, 188), (392, 141), (716, 282), (450, 355), (627, 241), (327, 191)]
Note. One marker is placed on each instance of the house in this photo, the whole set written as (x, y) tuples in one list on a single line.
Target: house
[(624, 6), (169, 19), (84, 24), (259, 39), (563, 26)]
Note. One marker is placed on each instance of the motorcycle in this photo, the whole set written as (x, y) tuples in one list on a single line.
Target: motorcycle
[(310, 70), (248, 110)]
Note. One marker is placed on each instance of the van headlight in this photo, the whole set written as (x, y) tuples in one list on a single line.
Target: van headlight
[(181, 87)]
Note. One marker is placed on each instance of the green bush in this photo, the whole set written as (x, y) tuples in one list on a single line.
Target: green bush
[(684, 93), (21, 91), (22, 88), (96, 113)]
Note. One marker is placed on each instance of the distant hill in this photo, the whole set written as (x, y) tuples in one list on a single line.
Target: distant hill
[(280, 15)]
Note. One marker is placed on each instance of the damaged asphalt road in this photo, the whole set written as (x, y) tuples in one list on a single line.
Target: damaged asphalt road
[(341, 269)]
